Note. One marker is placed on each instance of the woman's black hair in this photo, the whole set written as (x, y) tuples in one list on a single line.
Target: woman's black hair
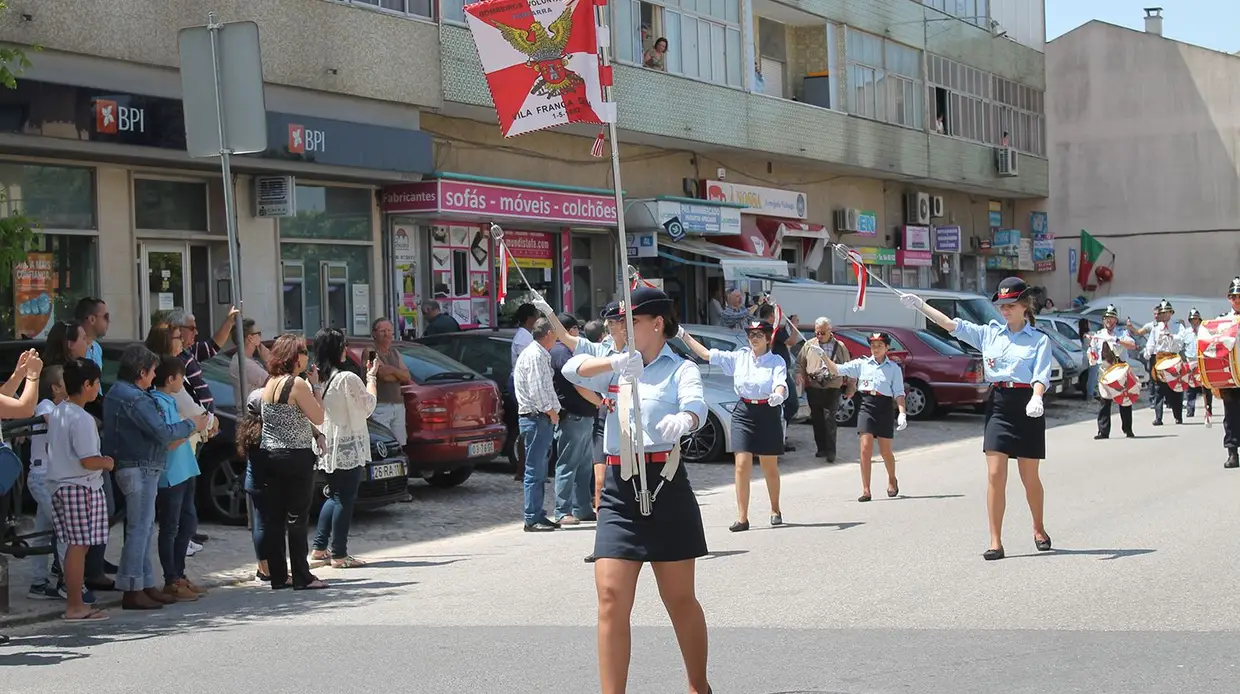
[(58, 338), (664, 40), (329, 346)]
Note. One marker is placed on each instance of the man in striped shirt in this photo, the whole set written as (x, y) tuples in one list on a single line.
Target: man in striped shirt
[(198, 350)]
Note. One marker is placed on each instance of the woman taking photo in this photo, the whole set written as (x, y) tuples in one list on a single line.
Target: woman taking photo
[(760, 378), (1017, 362), (347, 403), (880, 381), (669, 390), (291, 407)]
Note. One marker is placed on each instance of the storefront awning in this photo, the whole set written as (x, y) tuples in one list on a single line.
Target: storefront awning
[(736, 264), (789, 228)]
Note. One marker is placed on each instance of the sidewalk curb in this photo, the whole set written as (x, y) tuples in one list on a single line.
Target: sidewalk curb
[(7, 622)]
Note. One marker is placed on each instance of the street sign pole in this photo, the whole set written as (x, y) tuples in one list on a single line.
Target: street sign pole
[(230, 207)]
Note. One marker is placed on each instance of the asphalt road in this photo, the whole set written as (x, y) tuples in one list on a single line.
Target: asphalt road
[(1140, 595)]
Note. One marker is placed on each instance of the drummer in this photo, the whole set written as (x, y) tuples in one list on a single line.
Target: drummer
[(1231, 396), (1188, 336), (1165, 343), (760, 379), (1111, 345), (880, 380), (1017, 362)]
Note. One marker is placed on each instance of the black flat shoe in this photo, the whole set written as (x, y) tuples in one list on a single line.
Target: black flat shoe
[(863, 498), (1043, 545), (1099, 437), (590, 559), (1130, 435), (893, 493), (739, 526), (992, 554), (260, 576)]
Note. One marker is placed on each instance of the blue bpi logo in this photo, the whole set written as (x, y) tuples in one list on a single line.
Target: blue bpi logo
[(674, 228)]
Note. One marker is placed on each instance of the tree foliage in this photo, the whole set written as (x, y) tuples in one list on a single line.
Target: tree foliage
[(18, 233)]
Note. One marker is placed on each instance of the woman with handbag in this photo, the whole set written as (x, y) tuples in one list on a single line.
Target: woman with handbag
[(347, 404)]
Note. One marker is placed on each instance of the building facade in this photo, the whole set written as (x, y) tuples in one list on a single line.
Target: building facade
[(765, 128), (1144, 136)]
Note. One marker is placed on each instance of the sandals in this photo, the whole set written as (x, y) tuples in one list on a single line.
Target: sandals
[(92, 616), (316, 584), (349, 562), (320, 558)]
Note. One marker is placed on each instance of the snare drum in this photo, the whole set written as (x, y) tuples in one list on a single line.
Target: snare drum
[(1217, 359), (1173, 371), (1120, 384)]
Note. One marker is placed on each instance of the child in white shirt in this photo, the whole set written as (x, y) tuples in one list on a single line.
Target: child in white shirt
[(36, 482)]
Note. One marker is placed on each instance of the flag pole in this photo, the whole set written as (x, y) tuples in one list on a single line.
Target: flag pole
[(644, 502)]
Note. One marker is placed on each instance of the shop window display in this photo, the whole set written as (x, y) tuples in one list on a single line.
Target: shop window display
[(461, 275), (45, 287), (534, 253)]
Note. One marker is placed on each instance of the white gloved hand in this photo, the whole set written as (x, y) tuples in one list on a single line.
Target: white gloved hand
[(627, 364), (902, 422), (777, 398), (1035, 407), (674, 426), (912, 301), (682, 333), (542, 305)]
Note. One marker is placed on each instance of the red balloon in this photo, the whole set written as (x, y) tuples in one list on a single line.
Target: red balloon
[(1104, 273)]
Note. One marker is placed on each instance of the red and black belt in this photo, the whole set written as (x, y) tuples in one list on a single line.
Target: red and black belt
[(755, 402), (1011, 384), (656, 457)]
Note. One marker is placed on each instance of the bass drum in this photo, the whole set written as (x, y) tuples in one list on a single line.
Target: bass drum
[(1217, 361)]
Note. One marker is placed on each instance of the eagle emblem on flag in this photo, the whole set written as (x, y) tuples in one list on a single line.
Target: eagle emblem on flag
[(546, 51)]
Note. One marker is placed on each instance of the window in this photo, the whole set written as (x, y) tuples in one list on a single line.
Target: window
[(44, 288), (976, 105), (417, 8), (330, 213), (975, 12), (57, 197), (703, 37), (170, 205), (326, 252), (885, 80)]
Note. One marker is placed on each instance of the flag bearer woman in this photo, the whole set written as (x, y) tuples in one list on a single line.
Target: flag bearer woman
[(1017, 363)]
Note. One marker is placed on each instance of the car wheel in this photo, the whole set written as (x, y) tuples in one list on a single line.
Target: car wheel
[(704, 445), (846, 413), (221, 489), (918, 400), (451, 478)]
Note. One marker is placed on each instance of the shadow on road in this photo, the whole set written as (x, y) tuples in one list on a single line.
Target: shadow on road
[(1102, 554), (838, 526)]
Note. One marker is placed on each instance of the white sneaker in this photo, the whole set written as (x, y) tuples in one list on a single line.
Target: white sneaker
[(194, 548)]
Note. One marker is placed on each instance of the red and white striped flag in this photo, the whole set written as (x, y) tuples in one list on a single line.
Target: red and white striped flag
[(863, 278), (596, 150), (639, 281), (501, 292)]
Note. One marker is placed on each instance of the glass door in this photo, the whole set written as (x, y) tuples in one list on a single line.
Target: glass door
[(164, 278)]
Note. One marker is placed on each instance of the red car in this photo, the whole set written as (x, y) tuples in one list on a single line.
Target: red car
[(938, 375), (453, 415)]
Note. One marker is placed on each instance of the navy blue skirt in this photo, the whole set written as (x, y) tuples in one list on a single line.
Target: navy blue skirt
[(757, 428), (877, 416), (672, 532), (1009, 430)]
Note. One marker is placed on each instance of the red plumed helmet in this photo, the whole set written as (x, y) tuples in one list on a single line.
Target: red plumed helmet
[(1104, 273)]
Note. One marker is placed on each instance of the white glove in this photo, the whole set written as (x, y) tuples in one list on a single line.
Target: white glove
[(542, 305), (912, 301), (627, 364), (1035, 408), (682, 333), (777, 398), (902, 422), (674, 426)]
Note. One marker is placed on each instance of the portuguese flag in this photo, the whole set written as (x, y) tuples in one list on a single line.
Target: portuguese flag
[(1091, 250)]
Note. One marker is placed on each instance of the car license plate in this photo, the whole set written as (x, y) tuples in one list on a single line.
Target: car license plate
[(1063, 387), (481, 448), (387, 471)]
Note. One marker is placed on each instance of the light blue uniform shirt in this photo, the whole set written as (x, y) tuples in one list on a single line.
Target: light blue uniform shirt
[(668, 385), (885, 379), (1023, 357), (1188, 337), (753, 377), (95, 353)]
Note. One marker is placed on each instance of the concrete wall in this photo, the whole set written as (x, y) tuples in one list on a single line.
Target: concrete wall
[(1143, 133), (375, 55)]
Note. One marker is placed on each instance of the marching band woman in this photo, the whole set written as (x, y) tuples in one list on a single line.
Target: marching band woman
[(671, 538), (1017, 362), (1108, 346), (880, 381), (760, 378)]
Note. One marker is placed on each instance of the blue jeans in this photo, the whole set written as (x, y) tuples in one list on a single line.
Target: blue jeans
[(257, 504), (1091, 383), (573, 490), (337, 511), (178, 521), (140, 487), (536, 434), (37, 484)]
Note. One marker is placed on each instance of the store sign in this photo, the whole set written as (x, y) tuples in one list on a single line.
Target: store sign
[(643, 245), (867, 223), (62, 111), (908, 258), (947, 239), (996, 214), (500, 202), (916, 239), (772, 202), (703, 220), (1005, 239), (1043, 243), (877, 256), (33, 294), (530, 249)]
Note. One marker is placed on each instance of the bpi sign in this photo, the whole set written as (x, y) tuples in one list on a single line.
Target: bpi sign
[(302, 139), (111, 118)]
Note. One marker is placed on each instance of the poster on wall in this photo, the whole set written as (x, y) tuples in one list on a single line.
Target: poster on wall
[(1043, 243), (33, 295), (460, 274), (406, 267)]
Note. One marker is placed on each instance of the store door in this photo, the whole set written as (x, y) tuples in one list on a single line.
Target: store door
[(172, 276)]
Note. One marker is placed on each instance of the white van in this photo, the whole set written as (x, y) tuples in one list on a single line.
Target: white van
[(1140, 307), (809, 300)]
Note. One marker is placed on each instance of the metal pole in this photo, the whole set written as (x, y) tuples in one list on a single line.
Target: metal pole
[(230, 207)]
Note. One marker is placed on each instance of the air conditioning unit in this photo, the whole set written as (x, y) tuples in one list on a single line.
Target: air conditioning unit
[(847, 220), (917, 208), (937, 209), (1007, 162), (275, 196)]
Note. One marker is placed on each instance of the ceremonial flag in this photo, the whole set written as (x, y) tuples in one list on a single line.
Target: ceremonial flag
[(501, 291), (639, 281), (863, 278), (541, 62), (1091, 250)]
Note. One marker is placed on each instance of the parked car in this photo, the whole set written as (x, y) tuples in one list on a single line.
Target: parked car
[(454, 414)]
